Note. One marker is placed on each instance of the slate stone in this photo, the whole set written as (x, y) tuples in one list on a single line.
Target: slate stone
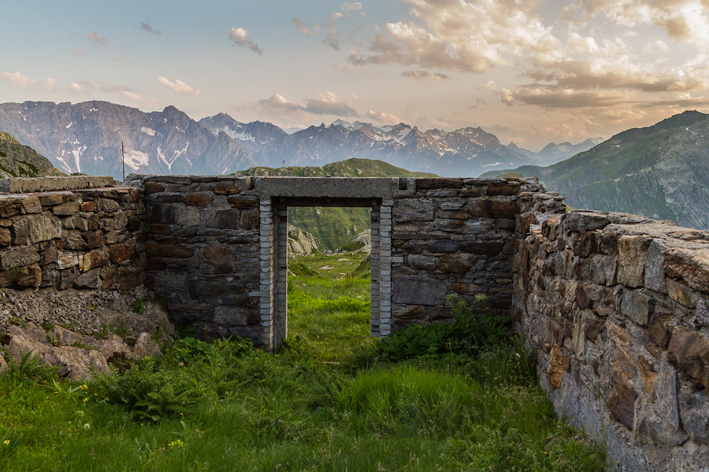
[(168, 250), (445, 246), (93, 239), (31, 205), (690, 266), (631, 261), (249, 220), (621, 401), (413, 209), (88, 207), (492, 209), (90, 279), (10, 208), (584, 221), (122, 252), (162, 214), (456, 264), (702, 318), (198, 200), (421, 262), (658, 329), (432, 184), (409, 313), (153, 187), (507, 188), (410, 291), (225, 189), (66, 209), (489, 249), (130, 277), (19, 257), (655, 267), (230, 316), (695, 414), (216, 260), (665, 392), (637, 306), (224, 219), (93, 259), (5, 237), (107, 205), (242, 203)]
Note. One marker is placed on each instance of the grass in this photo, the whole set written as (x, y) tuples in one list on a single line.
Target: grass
[(326, 402)]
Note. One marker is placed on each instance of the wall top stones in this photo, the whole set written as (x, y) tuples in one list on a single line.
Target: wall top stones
[(54, 184)]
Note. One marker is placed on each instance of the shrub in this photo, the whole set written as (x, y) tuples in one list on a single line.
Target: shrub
[(472, 329)]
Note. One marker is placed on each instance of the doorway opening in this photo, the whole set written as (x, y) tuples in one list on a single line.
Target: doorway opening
[(332, 293)]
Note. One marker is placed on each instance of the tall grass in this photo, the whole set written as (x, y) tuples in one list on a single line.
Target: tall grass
[(229, 407)]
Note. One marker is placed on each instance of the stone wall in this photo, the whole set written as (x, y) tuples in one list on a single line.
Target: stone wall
[(455, 236), (202, 251), (83, 238), (617, 306)]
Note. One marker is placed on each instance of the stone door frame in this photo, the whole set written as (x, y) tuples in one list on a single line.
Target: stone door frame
[(273, 260)]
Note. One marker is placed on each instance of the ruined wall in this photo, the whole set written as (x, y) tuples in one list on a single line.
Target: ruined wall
[(61, 233), (454, 236), (617, 306), (202, 251)]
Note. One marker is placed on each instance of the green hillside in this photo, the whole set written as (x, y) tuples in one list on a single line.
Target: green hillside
[(334, 227), (353, 167), (17, 160), (660, 171)]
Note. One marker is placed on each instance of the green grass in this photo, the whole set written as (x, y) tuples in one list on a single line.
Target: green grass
[(325, 402)]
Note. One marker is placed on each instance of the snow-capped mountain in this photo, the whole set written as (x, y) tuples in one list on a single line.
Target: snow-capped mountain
[(252, 136), (86, 137), (553, 152)]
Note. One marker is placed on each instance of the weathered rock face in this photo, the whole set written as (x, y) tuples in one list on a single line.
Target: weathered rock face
[(300, 242), (616, 306)]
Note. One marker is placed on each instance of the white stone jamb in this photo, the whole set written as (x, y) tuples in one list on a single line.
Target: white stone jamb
[(385, 226), (266, 262), (281, 325), (374, 255)]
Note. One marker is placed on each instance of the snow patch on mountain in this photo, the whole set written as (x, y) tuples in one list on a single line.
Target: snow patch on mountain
[(148, 131), (136, 159)]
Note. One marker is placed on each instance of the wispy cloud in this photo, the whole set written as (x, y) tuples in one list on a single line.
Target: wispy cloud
[(179, 86), (27, 83), (119, 59), (300, 26), (381, 117), (325, 104), (422, 74), (100, 41), (78, 52), (240, 37), (146, 26)]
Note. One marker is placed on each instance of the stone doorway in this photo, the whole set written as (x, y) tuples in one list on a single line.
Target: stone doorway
[(280, 208)]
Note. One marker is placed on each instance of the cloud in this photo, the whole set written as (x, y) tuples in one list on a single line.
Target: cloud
[(240, 37), (352, 8), (581, 44), (507, 97), (20, 80), (76, 88), (343, 67), (119, 59), (179, 86), (682, 20), (332, 41), (491, 86), (336, 16), (422, 74), (381, 117), (300, 26), (146, 26), (326, 104), (100, 41), (77, 52), (464, 36)]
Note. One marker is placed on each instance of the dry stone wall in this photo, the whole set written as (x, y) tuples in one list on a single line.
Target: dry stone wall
[(617, 307), (202, 251), (87, 238), (455, 237)]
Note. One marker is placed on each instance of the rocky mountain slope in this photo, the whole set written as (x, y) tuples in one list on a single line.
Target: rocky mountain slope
[(86, 137), (553, 152), (17, 160), (353, 167), (252, 136), (661, 171)]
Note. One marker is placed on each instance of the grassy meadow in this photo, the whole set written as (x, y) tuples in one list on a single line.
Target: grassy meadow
[(332, 399)]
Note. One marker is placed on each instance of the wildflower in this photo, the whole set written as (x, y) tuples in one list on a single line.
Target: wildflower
[(87, 426), (84, 387), (85, 399), (6, 442), (177, 444)]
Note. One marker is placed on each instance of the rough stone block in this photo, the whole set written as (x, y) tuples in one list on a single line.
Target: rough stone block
[(680, 293), (162, 214), (445, 246), (168, 250), (665, 393), (437, 183), (107, 205), (249, 220), (584, 221), (31, 205), (410, 291), (243, 203), (5, 237), (93, 259), (689, 352), (414, 209), (457, 264), (690, 266), (621, 400), (655, 267), (492, 209), (10, 208), (507, 188), (637, 306), (122, 252), (198, 200), (631, 261), (30, 276), (422, 262), (130, 277), (231, 316), (694, 407), (216, 260), (225, 189), (18, 257), (225, 219), (89, 280), (93, 239), (66, 209), (153, 187), (658, 329), (483, 248), (189, 216)]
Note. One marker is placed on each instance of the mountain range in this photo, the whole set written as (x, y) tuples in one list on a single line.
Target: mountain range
[(87, 138), (553, 153), (660, 171)]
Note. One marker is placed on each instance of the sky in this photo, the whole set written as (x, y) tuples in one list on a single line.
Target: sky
[(531, 72)]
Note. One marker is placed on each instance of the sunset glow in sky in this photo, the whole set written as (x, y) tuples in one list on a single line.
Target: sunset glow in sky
[(529, 71)]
